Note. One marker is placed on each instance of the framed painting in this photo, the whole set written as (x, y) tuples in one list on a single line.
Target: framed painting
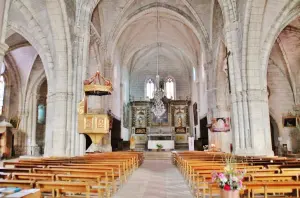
[(220, 125), (180, 130), (290, 121), (140, 131)]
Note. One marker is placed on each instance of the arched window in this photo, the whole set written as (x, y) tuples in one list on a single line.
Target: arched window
[(194, 74), (149, 88), (170, 88)]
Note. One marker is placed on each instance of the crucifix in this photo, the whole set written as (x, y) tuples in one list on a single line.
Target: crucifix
[(226, 68)]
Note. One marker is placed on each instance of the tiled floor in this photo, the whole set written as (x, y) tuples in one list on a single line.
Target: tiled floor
[(155, 179)]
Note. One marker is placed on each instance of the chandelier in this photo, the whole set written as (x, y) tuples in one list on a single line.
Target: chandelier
[(158, 107)]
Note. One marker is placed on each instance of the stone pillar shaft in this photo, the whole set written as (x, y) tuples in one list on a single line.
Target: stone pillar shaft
[(4, 6), (49, 125), (34, 119), (59, 135), (236, 87), (29, 126)]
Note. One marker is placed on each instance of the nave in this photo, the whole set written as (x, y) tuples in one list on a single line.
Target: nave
[(156, 178)]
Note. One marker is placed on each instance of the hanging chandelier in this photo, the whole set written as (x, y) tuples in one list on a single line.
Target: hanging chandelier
[(158, 107)]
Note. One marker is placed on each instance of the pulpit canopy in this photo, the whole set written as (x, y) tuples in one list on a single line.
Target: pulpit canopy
[(93, 86)]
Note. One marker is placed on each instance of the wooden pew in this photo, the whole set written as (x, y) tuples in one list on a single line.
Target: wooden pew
[(118, 167), (111, 173), (95, 173), (57, 188), (26, 184), (290, 170), (15, 170), (92, 180), (5, 175), (275, 177), (197, 167), (265, 188), (103, 173), (33, 176)]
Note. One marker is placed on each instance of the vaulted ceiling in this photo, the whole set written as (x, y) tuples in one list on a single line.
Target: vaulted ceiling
[(128, 32)]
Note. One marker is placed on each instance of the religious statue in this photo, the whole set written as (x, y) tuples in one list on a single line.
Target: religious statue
[(132, 142), (140, 120), (179, 122)]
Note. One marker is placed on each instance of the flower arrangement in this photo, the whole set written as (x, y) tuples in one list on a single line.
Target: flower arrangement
[(231, 178), (213, 148), (159, 146)]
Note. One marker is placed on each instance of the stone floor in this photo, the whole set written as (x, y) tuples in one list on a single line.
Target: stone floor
[(155, 179)]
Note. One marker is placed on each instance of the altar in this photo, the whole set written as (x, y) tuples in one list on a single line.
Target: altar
[(169, 130), (166, 144)]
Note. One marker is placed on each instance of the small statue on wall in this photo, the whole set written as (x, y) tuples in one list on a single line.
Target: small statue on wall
[(179, 121), (140, 121), (132, 142)]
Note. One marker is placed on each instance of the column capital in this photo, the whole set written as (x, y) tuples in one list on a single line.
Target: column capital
[(296, 107), (60, 96), (25, 113), (233, 26), (3, 48), (50, 97), (37, 96), (257, 95)]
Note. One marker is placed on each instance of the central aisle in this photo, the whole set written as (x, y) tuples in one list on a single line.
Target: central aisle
[(155, 179)]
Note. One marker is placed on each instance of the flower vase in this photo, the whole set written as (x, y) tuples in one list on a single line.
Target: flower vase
[(230, 193)]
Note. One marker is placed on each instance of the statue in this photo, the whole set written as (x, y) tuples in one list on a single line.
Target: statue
[(140, 121), (132, 143), (179, 121)]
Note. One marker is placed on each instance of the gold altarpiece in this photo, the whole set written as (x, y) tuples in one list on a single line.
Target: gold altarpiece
[(96, 125), (175, 121)]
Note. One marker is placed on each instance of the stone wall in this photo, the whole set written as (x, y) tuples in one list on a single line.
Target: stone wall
[(281, 98), (167, 67)]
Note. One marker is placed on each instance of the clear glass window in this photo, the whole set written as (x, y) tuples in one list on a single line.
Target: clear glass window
[(170, 88), (150, 89)]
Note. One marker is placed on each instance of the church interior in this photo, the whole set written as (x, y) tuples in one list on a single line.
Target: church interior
[(150, 93)]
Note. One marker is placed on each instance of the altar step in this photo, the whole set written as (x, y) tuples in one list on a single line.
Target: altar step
[(182, 146), (139, 147), (154, 155)]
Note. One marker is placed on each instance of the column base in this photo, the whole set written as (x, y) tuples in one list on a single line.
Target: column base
[(33, 151)]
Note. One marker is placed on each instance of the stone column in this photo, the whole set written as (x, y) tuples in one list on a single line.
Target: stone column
[(49, 124), (260, 135), (29, 126), (34, 146), (4, 7), (238, 116), (21, 149), (3, 49), (59, 124), (69, 124)]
